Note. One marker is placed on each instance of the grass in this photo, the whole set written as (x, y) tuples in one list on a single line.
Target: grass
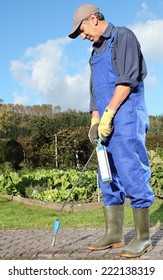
[(14, 215)]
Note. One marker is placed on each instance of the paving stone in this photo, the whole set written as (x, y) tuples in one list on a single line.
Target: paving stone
[(70, 244)]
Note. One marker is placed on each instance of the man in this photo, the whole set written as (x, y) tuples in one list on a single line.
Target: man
[(120, 119)]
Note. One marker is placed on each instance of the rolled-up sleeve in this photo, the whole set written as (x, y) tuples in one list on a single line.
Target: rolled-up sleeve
[(127, 59)]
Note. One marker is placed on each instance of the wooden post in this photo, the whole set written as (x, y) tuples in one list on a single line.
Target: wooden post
[(56, 151)]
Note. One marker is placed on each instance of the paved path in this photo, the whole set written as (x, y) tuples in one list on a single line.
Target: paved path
[(35, 244)]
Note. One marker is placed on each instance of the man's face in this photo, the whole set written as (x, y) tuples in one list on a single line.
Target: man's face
[(89, 29)]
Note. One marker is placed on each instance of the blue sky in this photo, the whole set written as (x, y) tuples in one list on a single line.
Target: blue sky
[(39, 64)]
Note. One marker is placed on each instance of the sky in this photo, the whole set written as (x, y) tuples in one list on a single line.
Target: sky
[(40, 64)]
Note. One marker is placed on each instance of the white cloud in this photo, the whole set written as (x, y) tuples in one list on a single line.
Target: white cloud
[(42, 70), (23, 100), (144, 12), (19, 70), (150, 36)]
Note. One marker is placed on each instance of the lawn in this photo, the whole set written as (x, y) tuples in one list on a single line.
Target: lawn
[(14, 215)]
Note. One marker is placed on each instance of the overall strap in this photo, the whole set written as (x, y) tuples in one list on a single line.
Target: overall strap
[(109, 43)]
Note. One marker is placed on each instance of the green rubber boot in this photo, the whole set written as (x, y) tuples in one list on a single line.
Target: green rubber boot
[(113, 236), (141, 242)]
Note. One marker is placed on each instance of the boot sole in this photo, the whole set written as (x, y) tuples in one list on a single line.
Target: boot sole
[(127, 255), (116, 245)]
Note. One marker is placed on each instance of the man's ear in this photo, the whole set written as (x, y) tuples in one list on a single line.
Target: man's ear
[(94, 19)]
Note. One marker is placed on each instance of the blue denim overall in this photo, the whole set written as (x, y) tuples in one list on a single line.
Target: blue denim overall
[(126, 147)]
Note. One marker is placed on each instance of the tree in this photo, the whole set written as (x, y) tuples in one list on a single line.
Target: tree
[(6, 120), (1, 102), (14, 153)]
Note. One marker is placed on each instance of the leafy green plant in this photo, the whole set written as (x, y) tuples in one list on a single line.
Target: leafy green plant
[(54, 185), (49, 185), (156, 164)]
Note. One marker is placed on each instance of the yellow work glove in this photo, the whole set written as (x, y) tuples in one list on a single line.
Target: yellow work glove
[(93, 131), (105, 127)]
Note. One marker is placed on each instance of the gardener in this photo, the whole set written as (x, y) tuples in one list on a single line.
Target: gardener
[(119, 117)]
